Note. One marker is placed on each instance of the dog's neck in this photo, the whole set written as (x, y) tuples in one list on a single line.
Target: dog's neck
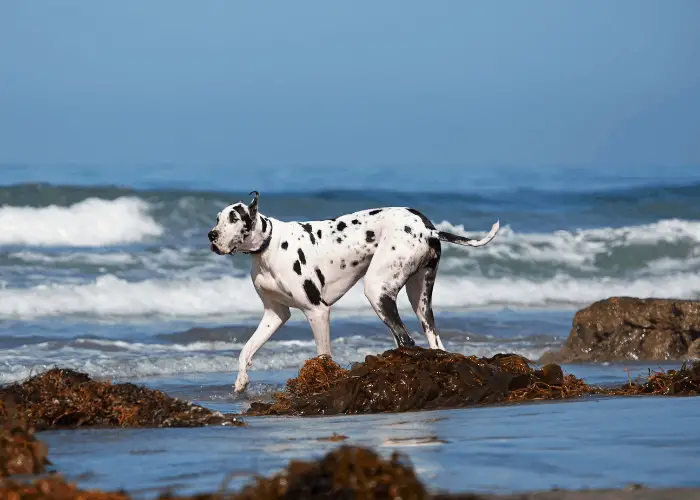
[(259, 239)]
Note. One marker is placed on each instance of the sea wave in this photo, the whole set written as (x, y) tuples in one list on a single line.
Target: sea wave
[(234, 297), (93, 222), (624, 252), (649, 249)]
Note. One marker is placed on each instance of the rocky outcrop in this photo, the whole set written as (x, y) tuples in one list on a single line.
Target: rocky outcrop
[(626, 328)]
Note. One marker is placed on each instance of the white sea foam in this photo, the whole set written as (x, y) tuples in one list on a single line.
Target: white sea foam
[(109, 296), (93, 222), (174, 261), (193, 283), (578, 249), (95, 259), (138, 360)]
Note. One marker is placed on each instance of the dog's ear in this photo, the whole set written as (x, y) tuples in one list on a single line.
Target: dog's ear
[(253, 207)]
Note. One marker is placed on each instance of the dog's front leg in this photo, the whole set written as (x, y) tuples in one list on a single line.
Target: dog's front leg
[(274, 317), (320, 321)]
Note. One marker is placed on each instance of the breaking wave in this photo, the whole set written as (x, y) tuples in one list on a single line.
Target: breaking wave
[(92, 222), (234, 297)]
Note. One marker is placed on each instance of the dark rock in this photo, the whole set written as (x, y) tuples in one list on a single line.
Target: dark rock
[(626, 328)]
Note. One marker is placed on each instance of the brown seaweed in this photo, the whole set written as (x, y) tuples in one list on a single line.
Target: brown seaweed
[(407, 379), (346, 472), (63, 398), (20, 451), (414, 378), (682, 382)]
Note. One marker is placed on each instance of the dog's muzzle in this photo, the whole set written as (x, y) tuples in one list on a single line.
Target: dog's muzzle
[(213, 235), (215, 249)]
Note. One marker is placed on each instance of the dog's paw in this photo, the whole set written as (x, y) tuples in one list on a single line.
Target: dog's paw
[(240, 386)]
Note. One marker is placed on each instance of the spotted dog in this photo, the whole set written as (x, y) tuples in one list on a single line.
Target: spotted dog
[(311, 265)]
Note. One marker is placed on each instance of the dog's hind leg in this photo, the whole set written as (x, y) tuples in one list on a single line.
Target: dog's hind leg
[(383, 280), (419, 289), (319, 319), (274, 317)]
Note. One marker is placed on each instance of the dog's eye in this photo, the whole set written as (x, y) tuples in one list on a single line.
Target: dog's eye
[(232, 217)]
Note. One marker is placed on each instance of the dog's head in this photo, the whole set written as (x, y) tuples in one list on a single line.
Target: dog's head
[(235, 224)]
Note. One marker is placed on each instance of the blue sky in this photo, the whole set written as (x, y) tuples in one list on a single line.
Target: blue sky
[(579, 83)]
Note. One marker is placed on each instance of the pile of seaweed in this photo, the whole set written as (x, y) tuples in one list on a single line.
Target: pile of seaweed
[(414, 378), (345, 472), (62, 398), (54, 487), (20, 451), (682, 382)]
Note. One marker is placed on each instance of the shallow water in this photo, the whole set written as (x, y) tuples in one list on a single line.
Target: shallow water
[(594, 442)]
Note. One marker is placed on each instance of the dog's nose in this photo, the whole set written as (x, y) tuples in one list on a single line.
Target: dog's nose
[(213, 234)]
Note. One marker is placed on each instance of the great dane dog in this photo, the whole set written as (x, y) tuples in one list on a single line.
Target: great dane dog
[(311, 265)]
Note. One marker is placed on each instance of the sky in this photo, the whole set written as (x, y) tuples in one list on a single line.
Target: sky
[(594, 84)]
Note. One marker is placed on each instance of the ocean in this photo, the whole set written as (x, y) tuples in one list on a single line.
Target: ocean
[(107, 270)]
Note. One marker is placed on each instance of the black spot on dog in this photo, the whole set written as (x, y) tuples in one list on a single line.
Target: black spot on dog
[(284, 245), (302, 257), (264, 224), (232, 217), (387, 306), (375, 212), (339, 240), (369, 236), (342, 264), (310, 230), (436, 250), (318, 233), (393, 248), (245, 217), (321, 277), (355, 263), (425, 220), (355, 222), (312, 292), (341, 225), (407, 229), (297, 267)]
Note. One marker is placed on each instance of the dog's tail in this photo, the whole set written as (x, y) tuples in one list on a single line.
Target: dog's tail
[(461, 240)]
